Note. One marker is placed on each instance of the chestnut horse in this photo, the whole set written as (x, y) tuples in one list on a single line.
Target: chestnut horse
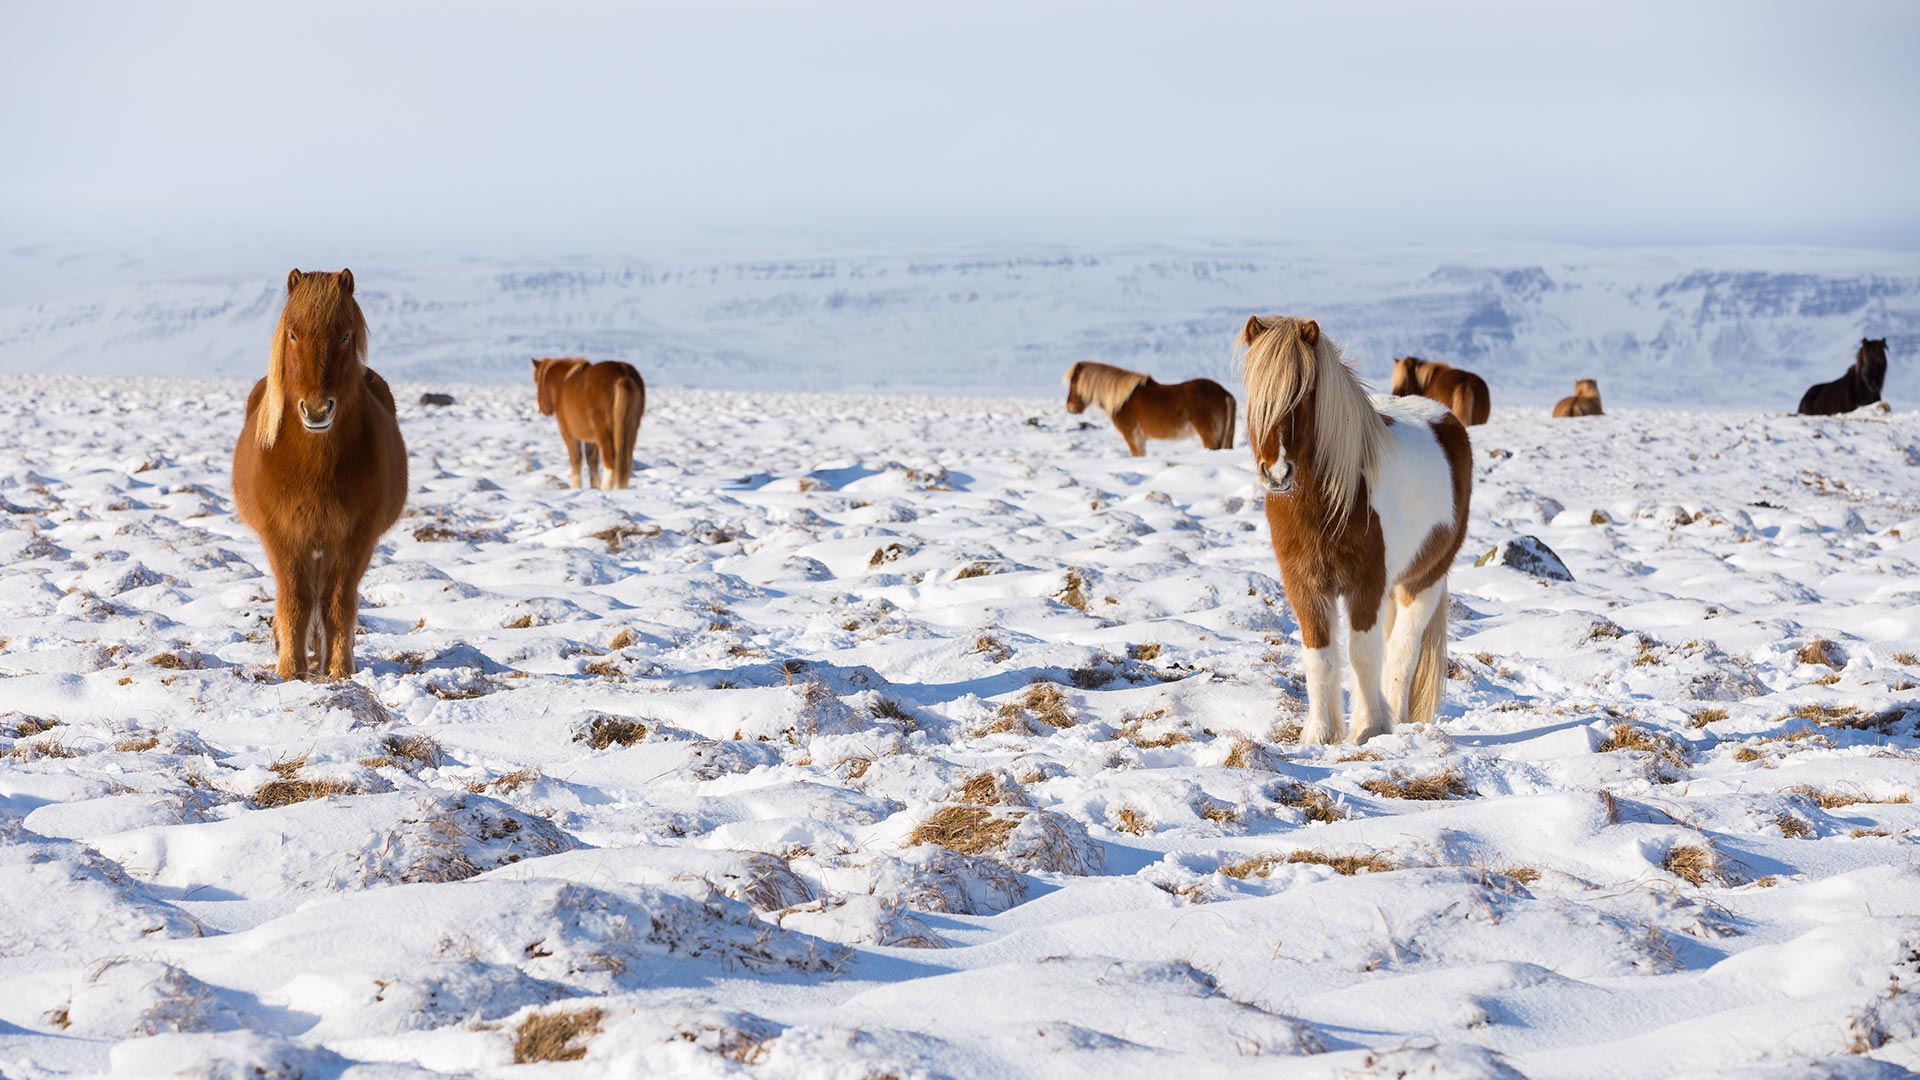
[(1366, 502), (1859, 386), (1584, 402), (599, 407), (320, 470), (1462, 391), (1143, 409)]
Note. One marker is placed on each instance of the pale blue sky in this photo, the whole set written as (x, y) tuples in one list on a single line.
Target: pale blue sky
[(589, 125)]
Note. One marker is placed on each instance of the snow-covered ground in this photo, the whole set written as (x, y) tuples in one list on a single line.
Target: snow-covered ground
[(676, 764)]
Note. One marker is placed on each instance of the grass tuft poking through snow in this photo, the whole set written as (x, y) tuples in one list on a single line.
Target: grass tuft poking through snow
[(1347, 865), (555, 1036), (1431, 787)]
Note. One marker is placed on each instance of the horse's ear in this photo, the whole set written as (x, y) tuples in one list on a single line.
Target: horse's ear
[(1310, 332), (346, 281), (1252, 330), (293, 278)]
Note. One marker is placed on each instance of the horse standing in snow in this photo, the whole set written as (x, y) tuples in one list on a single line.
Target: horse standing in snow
[(1462, 391), (1584, 402), (599, 407), (1367, 503), (1143, 409), (320, 470), (1859, 386)]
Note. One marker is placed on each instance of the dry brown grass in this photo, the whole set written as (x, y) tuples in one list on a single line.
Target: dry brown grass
[(1525, 875), (969, 830), (24, 725), (621, 640), (1312, 801), (990, 647), (1129, 820), (1433, 787), (603, 730), (1748, 754), (1074, 595), (975, 569), (1219, 813), (890, 553), (1851, 717), (1244, 753), (286, 792), (136, 743), (888, 709), (1906, 658), (45, 748), (1633, 737), (1698, 864), (172, 661), (1144, 653), (559, 1036), (616, 537), (1357, 755), (512, 781), (1703, 717), (1263, 865), (1821, 653), (1043, 703), (1791, 827), (1829, 798), (409, 752)]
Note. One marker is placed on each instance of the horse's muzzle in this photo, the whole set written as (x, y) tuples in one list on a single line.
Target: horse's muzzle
[(1281, 485), (318, 421)]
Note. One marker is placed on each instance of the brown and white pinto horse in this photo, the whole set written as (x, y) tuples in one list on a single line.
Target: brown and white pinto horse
[(1367, 502), (1462, 391), (1859, 386), (599, 407), (1584, 402), (1143, 409), (320, 470)]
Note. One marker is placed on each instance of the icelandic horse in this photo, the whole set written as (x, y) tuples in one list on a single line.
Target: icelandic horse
[(1462, 391), (599, 407), (1859, 386), (1584, 402), (1143, 409), (320, 470), (1367, 502)]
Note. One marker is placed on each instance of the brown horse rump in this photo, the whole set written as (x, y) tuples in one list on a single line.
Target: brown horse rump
[(599, 407), (1584, 402), (1459, 390)]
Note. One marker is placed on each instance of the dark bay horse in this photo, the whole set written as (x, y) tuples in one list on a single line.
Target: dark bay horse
[(1859, 386), (320, 470), (1462, 391), (1367, 501), (599, 407), (1143, 409)]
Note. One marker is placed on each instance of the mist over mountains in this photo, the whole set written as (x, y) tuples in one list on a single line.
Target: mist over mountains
[(1702, 327)]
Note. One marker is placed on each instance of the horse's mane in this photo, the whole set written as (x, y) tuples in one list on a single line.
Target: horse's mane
[(1287, 359), (1103, 384), (315, 301)]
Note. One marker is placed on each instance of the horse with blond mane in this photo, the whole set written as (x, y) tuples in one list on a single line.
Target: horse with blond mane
[(320, 470), (1584, 402), (1143, 409), (599, 407), (1366, 502)]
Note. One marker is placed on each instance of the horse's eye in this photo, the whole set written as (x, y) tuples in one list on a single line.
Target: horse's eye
[(291, 336), (346, 337)]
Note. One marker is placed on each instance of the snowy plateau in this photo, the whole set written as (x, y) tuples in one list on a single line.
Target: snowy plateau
[(911, 729)]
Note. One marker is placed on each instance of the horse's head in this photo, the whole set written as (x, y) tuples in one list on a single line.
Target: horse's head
[(1076, 404), (1406, 375), (1586, 388), (541, 391), (1872, 362), (319, 353), (1282, 369)]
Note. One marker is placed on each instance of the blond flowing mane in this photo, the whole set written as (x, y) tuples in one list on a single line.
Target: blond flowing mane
[(317, 304), (1287, 359), (1103, 384)]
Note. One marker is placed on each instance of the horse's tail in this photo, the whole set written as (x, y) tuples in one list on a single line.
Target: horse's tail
[(1233, 410), (1465, 402), (629, 404), (1430, 673)]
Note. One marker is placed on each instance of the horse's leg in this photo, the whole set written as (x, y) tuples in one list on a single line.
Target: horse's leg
[(573, 456), (1403, 644), (292, 609), (342, 615), (1322, 663), (1364, 646), (591, 451)]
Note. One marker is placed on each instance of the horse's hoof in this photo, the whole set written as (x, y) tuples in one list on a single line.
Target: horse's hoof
[(1361, 735), (1319, 736)]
